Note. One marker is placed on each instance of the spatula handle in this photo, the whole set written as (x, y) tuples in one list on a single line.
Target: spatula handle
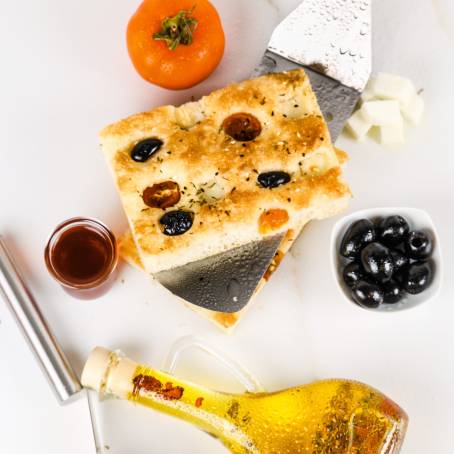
[(36, 331)]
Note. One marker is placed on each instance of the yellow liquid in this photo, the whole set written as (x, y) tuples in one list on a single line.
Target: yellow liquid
[(326, 417)]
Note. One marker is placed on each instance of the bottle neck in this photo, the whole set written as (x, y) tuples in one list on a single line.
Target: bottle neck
[(212, 411)]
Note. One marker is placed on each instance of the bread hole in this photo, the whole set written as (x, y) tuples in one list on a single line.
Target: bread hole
[(243, 127)]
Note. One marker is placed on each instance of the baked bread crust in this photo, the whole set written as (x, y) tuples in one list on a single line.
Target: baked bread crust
[(217, 175)]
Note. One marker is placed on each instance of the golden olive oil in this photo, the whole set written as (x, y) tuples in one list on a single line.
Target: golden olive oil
[(330, 416)]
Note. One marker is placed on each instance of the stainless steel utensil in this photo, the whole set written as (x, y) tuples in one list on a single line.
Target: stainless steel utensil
[(39, 336), (331, 40)]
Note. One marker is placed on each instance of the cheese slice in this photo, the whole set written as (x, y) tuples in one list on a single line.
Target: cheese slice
[(218, 173)]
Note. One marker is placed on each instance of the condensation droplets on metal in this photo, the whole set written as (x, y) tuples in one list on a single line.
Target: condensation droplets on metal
[(329, 34)]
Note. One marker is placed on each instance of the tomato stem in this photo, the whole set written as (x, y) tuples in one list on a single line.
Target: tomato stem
[(178, 29)]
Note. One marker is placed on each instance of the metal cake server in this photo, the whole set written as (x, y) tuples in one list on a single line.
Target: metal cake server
[(331, 40)]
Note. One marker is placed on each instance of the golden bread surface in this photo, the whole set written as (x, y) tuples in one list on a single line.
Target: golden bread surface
[(217, 176)]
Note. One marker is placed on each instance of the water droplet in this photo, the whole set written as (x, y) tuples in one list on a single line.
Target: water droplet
[(233, 289)]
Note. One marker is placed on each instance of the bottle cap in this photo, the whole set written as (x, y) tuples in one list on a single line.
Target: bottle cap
[(94, 373)]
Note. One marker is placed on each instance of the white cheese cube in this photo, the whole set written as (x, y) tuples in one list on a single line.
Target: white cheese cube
[(393, 135), (358, 126), (389, 86), (381, 113), (413, 110)]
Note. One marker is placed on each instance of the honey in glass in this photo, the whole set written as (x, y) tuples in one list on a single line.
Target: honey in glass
[(81, 255)]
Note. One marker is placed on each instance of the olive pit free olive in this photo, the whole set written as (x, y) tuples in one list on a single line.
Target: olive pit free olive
[(242, 127), (162, 195), (176, 222), (272, 180), (145, 149)]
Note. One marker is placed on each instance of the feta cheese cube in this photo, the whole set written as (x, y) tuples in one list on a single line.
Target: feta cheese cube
[(392, 135), (369, 92), (381, 113), (358, 126), (413, 110), (389, 86)]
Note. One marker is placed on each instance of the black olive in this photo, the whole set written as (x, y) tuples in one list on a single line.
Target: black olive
[(359, 234), (377, 261), (176, 222), (367, 294), (353, 273), (419, 245), (392, 292), (400, 260), (273, 179), (145, 149), (400, 274), (418, 277), (393, 230)]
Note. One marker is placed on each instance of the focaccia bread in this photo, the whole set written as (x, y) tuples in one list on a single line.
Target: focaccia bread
[(248, 161)]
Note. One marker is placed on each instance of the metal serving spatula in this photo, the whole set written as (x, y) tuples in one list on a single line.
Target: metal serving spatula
[(331, 40)]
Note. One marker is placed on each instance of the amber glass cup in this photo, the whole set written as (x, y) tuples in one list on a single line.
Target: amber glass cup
[(82, 256)]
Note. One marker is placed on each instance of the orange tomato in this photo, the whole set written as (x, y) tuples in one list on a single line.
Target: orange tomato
[(194, 30)]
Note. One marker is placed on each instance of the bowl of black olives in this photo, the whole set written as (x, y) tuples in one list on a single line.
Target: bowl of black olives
[(387, 259)]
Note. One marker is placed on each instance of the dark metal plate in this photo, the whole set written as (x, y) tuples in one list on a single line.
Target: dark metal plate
[(223, 282)]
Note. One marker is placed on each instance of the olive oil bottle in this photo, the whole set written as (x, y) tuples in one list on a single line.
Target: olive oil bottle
[(326, 417)]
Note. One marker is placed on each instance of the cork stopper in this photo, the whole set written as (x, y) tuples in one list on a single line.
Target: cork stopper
[(95, 369)]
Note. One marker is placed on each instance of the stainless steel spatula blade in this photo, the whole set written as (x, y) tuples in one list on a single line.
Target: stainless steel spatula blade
[(331, 40), (223, 282)]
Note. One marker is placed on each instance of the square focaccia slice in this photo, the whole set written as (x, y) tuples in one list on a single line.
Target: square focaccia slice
[(248, 161)]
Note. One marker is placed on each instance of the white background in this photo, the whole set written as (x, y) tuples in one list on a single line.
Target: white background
[(65, 74)]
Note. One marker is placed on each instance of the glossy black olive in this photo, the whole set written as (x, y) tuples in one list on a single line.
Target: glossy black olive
[(392, 292), (358, 235), (145, 149), (352, 274), (273, 179), (377, 261), (418, 277), (419, 245), (393, 230), (176, 222), (400, 260), (400, 274), (367, 294)]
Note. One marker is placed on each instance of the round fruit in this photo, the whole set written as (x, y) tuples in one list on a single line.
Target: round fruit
[(400, 260), (377, 261), (176, 222), (175, 43), (418, 277), (392, 292), (393, 230), (367, 294), (419, 245), (358, 235), (352, 274)]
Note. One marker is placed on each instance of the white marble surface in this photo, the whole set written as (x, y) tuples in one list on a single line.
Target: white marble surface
[(65, 74)]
